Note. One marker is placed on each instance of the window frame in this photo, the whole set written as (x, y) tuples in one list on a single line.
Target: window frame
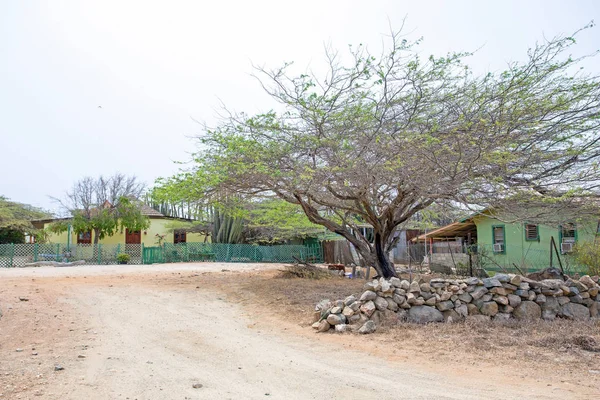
[(503, 238), (537, 232)]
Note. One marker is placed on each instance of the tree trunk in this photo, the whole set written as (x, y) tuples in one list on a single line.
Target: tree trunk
[(383, 264)]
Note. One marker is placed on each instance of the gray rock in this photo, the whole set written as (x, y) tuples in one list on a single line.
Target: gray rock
[(528, 311), (502, 300), (58, 367), (478, 292), (368, 327), (587, 281), (349, 300), (473, 281), (491, 282), (414, 287), (502, 278), (381, 303), (540, 299), (336, 310), (465, 297), (372, 286), (341, 328), (425, 287), (323, 305), (431, 301), (386, 288), (473, 309), (445, 296), (405, 285), (396, 282), (348, 312), (574, 311), (336, 319), (563, 300), (451, 316), (515, 280), (445, 305), (514, 300), (505, 309), (522, 293), (197, 386), (391, 304), (462, 310), (398, 299), (368, 295), (487, 297), (489, 308), (355, 306), (316, 325), (424, 314), (368, 308), (576, 299), (594, 309)]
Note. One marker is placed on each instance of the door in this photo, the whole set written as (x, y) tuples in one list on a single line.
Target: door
[(133, 237)]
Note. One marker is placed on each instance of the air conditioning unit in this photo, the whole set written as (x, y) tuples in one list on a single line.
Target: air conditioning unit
[(498, 247), (566, 247)]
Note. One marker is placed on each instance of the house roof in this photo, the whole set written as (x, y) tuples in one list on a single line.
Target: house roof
[(455, 229), (149, 211)]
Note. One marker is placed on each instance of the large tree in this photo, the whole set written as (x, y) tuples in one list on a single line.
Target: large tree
[(103, 206), (15, 220), (377, 140)]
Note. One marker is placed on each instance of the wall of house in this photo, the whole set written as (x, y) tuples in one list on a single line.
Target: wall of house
[(519, 250), (157, 226)]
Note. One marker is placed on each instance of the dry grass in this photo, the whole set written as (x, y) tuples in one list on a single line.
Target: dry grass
[(561, 343), (306, 272)]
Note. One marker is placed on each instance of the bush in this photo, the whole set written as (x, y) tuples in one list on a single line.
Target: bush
[(587, 254), (123, 257)]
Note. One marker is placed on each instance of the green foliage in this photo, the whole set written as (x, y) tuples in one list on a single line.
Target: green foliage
[(588, 255), (105, 221), (15, 220), (11, 236), (123, 257)]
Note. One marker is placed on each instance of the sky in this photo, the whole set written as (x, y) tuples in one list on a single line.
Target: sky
[(90, 88)]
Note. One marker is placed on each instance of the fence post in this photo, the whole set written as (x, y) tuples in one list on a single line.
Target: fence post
[(58, 252), (35, 252), (142, 254), (99, 254)]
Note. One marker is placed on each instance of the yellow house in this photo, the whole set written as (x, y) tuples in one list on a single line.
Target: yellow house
[(160, 225)]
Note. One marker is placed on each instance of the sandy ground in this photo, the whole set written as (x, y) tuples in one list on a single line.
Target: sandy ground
[(152, 332)]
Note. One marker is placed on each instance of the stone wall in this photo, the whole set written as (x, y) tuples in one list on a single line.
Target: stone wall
[(502, 297)]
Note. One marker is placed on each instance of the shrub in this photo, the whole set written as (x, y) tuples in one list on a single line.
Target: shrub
[(587, 254), (123, 257)]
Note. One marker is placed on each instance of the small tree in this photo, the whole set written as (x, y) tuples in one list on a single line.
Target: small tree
[(379, 139), (104, 206)]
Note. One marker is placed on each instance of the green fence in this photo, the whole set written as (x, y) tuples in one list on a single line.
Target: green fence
[(20, 255), (191, 252)]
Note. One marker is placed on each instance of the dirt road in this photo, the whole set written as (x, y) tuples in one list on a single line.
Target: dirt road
[(124, 334)]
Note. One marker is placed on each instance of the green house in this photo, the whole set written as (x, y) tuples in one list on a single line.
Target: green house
[(499, 245)]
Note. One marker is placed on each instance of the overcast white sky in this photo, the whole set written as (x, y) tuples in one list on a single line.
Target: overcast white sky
[(153, 66)]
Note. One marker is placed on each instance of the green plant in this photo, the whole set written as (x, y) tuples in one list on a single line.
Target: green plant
[(123, 257), (587, 254)]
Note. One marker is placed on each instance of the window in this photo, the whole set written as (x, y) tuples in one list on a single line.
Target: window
[(498, 239), (532, 232), (568, 237), (84, 238), (179, 237)]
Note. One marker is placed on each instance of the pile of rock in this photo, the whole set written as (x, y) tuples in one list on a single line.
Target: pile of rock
[(502, 297)]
